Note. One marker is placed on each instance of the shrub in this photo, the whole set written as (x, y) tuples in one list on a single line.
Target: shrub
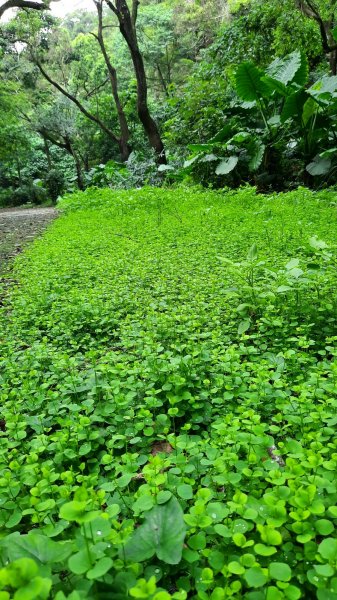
[(28, 193), (55, 183)]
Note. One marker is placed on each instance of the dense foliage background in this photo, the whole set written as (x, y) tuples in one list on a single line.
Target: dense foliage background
[(69, 98)]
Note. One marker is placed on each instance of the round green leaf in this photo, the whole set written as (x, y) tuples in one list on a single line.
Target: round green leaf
[(280, 571), (236, 568), (324, 527), (198, 541), (164, 496), (328, 549), (185, 491), (264, 550), (255, 577), (79, 563), (100, 568)]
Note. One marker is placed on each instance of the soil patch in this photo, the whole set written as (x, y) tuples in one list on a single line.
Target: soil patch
[(18, 226)]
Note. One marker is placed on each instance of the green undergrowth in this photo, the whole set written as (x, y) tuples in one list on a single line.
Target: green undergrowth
[(169, 401)]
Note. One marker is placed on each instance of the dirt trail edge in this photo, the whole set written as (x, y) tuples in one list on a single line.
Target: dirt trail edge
[(18, 226)]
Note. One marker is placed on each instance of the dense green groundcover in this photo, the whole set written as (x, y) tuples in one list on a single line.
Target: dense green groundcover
[(169, 400)]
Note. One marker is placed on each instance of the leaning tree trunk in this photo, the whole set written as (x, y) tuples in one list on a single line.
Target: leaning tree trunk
[(127, 26), (333, 62)]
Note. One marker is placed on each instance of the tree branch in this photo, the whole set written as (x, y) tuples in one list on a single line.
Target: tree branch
[(112, 7), (63, 145), (124, 128), (73, 99), (135, 5), (23, 4), (97, 88), (309, 9)]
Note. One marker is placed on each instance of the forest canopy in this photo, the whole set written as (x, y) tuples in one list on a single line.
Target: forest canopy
[(159, 92)]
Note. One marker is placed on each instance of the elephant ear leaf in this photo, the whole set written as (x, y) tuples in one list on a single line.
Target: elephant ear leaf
[(249, 84), (285, 69), (319, 166), (301, 75), (293, 106), (226, 165), (256, 151)]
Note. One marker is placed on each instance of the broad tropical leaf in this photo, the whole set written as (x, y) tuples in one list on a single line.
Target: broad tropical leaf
[(227, 165), (200, 147), (257, 150), (285, 69), (293, 106), (209, 158), (301, 76), (324, 88), (275, 86), (162, 533), (327, 153), (319, 166), (163, 168), (222, 135), (309, 110), (248, 82), (189, 162), (239, 137)]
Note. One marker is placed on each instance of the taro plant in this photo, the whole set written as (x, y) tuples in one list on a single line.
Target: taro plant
[(277, 124)]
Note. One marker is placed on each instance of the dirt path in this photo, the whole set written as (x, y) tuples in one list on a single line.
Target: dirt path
[(18, 226)]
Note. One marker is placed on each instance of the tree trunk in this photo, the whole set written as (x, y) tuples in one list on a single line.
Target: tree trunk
[(68, 147), (123, 142), (310, 10), (79, 174), (162, 80), (333, 62), (333, 50), (127, 26), (78, 166), (47, 152), (144, 114)]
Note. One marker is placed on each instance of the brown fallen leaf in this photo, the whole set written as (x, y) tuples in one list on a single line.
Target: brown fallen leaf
[(161, 447)]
